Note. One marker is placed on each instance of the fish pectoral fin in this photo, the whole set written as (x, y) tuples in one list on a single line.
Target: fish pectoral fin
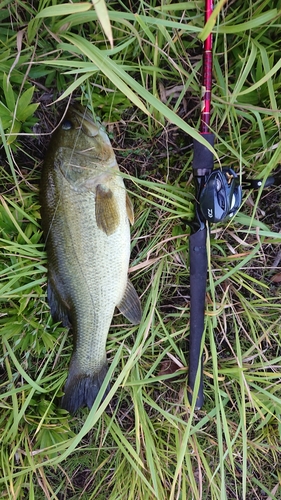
[(60, 310), (130, 305), (107, 214), (130, 209)]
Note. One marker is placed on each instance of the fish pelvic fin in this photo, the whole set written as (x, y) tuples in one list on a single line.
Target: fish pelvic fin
[(81, 389), (130, 305)]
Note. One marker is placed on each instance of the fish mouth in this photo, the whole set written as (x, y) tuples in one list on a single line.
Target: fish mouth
[(85, 120)]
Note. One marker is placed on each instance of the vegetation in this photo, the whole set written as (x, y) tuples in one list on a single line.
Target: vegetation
[(142, 79)]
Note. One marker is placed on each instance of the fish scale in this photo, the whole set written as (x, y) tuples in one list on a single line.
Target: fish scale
[(85, 219)]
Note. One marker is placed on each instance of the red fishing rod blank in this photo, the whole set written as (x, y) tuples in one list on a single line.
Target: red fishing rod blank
[(207, 74)]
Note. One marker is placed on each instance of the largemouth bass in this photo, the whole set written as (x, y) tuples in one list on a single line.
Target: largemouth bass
[(86, 214)]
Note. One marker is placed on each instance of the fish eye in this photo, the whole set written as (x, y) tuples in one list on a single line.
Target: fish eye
[(66, 125)]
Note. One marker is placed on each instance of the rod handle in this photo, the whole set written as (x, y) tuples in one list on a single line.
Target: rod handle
[(203, 159), (198, 283)]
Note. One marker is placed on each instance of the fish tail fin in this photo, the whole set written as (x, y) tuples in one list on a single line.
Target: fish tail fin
[(81, 389)]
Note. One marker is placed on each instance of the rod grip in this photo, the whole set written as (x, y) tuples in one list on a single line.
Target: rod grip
[(203, 159), (198, 281)]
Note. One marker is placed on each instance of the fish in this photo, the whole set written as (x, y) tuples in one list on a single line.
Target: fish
[(86, 215)]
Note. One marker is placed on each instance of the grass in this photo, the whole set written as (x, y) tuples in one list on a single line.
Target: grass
[(145, 441)]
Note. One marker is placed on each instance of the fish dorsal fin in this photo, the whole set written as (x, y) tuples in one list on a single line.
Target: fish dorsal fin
[(60, 309), (107, 214), (130, 305), (129, 209)]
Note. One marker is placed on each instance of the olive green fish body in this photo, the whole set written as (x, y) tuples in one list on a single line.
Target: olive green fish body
[(85, 218)]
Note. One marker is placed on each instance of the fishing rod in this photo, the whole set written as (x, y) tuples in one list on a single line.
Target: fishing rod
[(218, 196)]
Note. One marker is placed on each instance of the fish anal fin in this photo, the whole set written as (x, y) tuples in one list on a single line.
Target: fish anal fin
[(130, 305), (107, 214), (60, 309), (130, 209)]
